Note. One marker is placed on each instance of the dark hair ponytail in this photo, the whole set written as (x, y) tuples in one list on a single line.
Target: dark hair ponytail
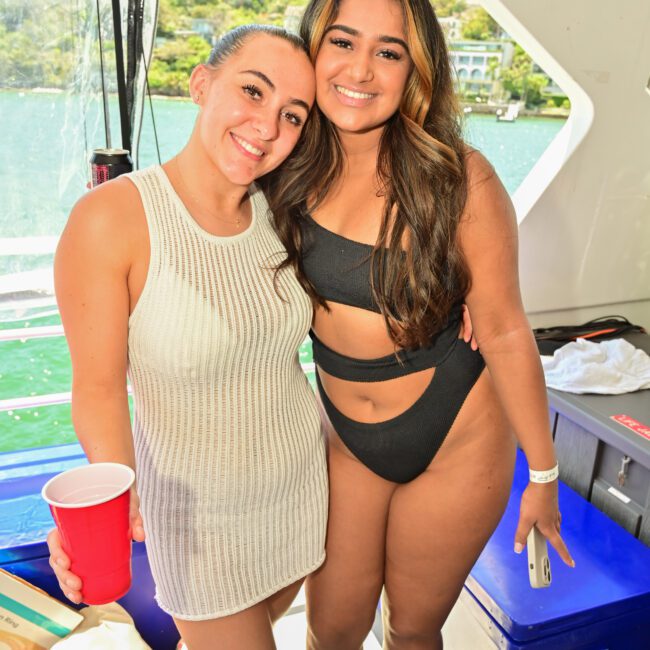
[(232, 41)]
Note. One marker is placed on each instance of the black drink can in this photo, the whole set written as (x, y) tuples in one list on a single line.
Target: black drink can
[(109, 163)]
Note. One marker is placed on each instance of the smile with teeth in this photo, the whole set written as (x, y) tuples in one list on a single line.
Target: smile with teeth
[(247, 145), (353, 94)]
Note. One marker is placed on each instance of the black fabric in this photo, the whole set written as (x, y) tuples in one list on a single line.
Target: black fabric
[(401, 448), (550, 339), (404, 362), (339, 268)]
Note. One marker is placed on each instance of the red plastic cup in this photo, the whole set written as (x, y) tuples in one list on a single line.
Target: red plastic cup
[(90, 506)]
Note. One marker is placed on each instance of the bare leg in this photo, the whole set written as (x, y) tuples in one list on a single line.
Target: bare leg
[(342, 595), (245, 630), (279, 603), (439, 523), (241, 631)]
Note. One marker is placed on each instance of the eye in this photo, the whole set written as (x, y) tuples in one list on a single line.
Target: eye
[(253, 91), (391, 55), (294, 119), (341, 42)]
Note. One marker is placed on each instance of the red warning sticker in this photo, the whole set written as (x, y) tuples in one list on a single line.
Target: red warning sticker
[(632, 424)]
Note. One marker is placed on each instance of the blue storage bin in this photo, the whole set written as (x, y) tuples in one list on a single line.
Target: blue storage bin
[(25, 521), (603, 603)]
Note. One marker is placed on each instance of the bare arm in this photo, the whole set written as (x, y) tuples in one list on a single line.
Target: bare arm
[(488, 237), (91, 270)]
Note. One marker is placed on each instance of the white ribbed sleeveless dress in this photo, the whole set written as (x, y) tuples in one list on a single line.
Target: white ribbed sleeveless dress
[(230, 458)]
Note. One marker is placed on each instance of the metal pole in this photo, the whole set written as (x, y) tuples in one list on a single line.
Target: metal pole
[(107, 119), (125, 123)]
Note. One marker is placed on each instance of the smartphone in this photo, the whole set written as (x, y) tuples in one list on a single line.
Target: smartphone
[(539, 566)]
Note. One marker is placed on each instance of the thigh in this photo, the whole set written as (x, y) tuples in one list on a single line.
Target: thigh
[(244, 630), (342, 595), (439, 523), (279, 602)]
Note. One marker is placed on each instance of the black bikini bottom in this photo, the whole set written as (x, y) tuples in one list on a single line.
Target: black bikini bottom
[(401, 448)]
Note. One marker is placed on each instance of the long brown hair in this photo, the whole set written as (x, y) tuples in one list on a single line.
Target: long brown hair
[(421, 169)]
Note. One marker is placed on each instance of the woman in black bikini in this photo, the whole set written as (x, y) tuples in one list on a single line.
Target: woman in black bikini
[(402, 224)]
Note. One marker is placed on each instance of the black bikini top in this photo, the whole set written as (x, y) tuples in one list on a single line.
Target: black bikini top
[(338, 267)]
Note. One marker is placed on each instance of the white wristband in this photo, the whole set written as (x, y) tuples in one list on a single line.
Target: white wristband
[(544, 476)]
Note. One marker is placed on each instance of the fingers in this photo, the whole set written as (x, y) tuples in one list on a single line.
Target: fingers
[(468, 330), (69, 583), (555, 540), (552, 534), (467, 325), (521, 534), (54, 541), (539, 506), (137, 528), (58, 558)]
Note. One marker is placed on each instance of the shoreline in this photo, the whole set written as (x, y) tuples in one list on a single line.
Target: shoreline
[(479, 109), (62, 91), (491, 109)]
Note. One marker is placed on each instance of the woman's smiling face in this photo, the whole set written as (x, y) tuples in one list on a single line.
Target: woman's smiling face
[(253, 107), (363, 65)]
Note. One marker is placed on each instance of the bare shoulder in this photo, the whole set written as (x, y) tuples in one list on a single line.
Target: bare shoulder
[(488, 203), (111, 205), (482, 179), (110, 216)]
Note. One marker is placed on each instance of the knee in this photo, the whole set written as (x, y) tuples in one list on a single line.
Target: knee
[(338, 630), (406, 632)]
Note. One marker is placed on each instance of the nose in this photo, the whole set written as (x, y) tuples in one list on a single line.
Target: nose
[(266, 125), (361, 66)]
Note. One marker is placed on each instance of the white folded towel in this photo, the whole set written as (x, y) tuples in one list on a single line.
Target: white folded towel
[(610, 367)]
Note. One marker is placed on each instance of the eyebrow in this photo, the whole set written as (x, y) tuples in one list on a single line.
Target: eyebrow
[(381, 38), (292, 100)]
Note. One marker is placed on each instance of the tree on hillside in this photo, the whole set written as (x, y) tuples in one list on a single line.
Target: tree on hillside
[(445, 8), (253, 5), (173, 63), (34, 48), (520, 80), (478, 25), (170, 20)]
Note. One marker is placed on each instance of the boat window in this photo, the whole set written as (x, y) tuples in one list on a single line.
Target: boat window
[(53, 112), (513, 108)]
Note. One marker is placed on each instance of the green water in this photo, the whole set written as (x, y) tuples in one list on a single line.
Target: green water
[(43, 171)]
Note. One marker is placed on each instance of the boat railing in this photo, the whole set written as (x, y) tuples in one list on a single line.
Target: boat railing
[(27, 333), (33, 401), (20, 246), (51, 399)]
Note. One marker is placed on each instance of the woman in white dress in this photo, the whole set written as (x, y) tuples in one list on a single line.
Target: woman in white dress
[(168, 274)]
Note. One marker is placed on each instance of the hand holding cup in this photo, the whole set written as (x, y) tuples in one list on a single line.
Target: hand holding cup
[(96, 510)]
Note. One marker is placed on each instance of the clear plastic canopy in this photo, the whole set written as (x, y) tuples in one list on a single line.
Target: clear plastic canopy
[(51, 118)]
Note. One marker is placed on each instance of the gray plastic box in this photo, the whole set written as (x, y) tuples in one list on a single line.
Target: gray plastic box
[(592, 449)]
